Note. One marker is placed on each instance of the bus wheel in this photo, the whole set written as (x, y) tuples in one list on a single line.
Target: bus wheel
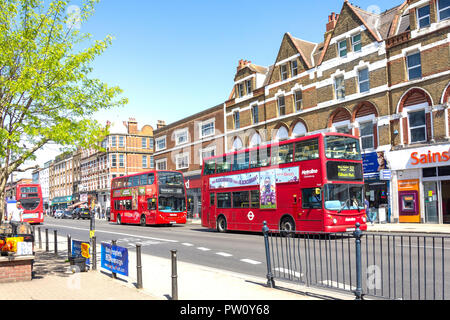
[(222, 224), (287, 225), (118, 219), (143, 221)]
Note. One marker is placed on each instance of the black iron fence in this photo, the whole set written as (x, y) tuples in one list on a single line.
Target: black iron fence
[(379, 265)]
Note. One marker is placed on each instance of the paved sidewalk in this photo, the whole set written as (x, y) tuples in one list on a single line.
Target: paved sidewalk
[(410, 228), (53, 280)]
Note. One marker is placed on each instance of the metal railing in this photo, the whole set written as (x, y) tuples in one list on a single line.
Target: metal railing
[(388, 266)]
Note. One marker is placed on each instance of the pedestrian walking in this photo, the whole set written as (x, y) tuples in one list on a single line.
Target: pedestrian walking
[(16, 216)]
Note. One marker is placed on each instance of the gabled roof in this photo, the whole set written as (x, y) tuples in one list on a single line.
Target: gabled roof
[(305, 49)]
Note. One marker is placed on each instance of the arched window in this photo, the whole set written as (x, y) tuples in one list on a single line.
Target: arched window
[(282, 134), (299, 130), (255, 140), (237, 144)]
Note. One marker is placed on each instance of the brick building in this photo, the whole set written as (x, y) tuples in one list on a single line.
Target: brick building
[(128, 150), (184, 144), (61, 181), (381, 76)]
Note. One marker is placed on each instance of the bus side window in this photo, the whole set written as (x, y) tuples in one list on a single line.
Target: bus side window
[(212, 199), (254, 199), (143, 179), (310, 199), (151, 204), (151, 178)]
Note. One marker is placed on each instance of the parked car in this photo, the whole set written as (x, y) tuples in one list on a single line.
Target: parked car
[(58, 214), (108, 214), (82, 213), (68, 214)]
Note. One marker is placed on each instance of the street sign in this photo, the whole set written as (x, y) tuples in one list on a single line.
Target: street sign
[(114, 259)]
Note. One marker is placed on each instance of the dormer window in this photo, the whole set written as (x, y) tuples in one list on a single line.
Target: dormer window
[(342, 46), (241, 90), (284, 73), (294, 68), (423, 16), (248, 85), (356, 42), (443, 9)]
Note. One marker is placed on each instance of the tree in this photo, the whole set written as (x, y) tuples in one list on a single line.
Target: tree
[(47, 94)]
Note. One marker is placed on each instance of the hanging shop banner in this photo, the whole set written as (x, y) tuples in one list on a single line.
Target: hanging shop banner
[(238, 180), (267, 187), (287, 175), (114, 259)]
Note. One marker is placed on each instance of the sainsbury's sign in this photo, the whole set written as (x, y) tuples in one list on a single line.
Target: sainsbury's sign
[(425, 157)]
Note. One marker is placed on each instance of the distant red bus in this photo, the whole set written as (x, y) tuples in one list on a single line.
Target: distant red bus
[(313, 184), (30, 197), (149, 198)]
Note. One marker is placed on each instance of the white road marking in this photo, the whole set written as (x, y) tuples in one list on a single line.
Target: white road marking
[(339, 285), (250, 261), (115, 233), (223, 254), (290, 272), (204, 249), (187, 244)]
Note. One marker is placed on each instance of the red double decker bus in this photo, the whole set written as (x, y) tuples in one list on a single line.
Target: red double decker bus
[(149, 198), (30, 197), (313, 184)]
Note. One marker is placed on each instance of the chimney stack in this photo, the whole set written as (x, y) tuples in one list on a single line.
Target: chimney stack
[(332, 20), (243, 64), (132, 126), (160, 124)]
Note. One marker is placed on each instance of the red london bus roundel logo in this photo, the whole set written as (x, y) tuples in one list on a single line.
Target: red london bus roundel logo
[(251, 216)]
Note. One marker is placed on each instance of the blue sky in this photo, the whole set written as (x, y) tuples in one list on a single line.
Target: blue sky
[(176, 58)]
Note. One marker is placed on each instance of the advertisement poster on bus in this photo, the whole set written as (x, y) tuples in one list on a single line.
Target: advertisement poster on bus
[(267, 187), (239, 180), (288, 175)]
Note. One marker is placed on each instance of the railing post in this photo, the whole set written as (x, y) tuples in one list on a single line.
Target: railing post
[(55, 232), (174, 275), (46, 241), (357, 234), (270, 281), (139, 266), (113, 244), (40, 237), (94, 253), (69, 246)]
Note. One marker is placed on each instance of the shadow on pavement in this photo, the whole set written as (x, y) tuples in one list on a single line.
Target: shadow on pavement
[(47, 264)]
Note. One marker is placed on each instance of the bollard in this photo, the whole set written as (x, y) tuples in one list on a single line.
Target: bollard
[(46, 241), (94, 253), (174, 275), (139, 266), (40, 238), (69, 246), (113, 244), (56, 242), (270, 281), (358, 292)]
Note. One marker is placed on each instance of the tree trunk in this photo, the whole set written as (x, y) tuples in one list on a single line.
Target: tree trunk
[(2, 198)]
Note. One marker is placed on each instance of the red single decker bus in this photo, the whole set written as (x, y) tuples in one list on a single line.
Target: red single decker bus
[(30, 197), (150, 198), (313, 184)]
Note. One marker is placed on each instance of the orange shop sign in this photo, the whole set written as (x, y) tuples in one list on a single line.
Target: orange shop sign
[(429, 157)]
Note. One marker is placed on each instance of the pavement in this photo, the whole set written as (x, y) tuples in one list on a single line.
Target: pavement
[(53, 279)]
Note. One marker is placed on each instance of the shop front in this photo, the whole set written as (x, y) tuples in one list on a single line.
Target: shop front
[(377, 185), (194, 195), (421, 179), (61, 203)]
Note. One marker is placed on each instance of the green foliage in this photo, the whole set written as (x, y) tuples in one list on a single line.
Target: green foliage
[(46, 92)]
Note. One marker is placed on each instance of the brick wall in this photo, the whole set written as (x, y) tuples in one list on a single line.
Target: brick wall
[(15, 271)]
